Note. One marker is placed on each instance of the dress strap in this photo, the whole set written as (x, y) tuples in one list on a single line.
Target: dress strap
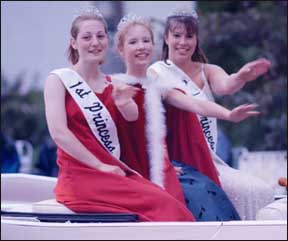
[(203, 74)]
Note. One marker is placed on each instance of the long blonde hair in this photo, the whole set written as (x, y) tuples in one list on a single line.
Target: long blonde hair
[(127, 22)]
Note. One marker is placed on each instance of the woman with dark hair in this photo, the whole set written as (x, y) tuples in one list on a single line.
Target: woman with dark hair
[(185, 62)]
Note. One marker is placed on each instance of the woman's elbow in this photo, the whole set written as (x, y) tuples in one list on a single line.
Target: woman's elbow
[(225, 89)]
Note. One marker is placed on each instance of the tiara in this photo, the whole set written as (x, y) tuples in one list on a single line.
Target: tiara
[(184, 13), (130, 18), (89, 10)]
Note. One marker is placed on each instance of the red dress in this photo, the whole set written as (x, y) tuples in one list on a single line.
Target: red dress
[(186, 142), (85, 189), (134, 150)]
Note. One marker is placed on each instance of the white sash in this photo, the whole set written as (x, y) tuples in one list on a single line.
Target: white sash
[(171, 73), (95, 112)]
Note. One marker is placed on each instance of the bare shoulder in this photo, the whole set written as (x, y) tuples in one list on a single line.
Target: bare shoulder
[(53, 79), (212, 67)]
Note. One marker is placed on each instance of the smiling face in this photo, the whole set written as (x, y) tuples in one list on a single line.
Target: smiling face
[(91, 41), (137, 46), (181, 43)]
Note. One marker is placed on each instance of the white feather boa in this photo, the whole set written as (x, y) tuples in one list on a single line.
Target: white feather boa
[(155, 134), (155, 123)]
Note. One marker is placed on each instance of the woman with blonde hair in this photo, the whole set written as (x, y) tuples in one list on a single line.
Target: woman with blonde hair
[(83, 112)]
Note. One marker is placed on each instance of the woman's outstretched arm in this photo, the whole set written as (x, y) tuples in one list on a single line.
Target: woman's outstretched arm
[(209, 108), (222, 83)]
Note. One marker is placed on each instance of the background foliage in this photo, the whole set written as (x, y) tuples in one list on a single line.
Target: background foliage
[(235, 32), (22, 112), (231, 33)]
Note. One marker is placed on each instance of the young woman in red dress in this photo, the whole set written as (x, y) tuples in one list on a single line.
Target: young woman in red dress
[(83, 112)]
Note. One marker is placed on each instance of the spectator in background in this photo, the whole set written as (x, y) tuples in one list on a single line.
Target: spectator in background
[(46, 164), (10, 162)]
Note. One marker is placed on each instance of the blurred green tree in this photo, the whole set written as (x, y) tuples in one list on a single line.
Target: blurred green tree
[(233, 33), (22, 112)]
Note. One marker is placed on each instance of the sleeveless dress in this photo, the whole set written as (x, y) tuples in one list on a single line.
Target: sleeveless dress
[(87, 190), (247, 193)]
